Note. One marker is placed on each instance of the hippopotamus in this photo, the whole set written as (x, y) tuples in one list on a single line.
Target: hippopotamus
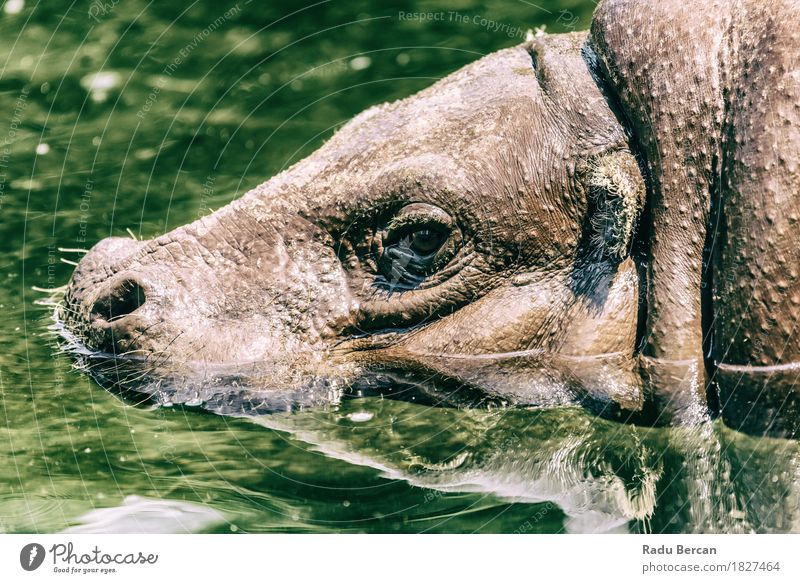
[(605, 218)]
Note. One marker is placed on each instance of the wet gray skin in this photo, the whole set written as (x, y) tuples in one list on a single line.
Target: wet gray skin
[(486, 241)]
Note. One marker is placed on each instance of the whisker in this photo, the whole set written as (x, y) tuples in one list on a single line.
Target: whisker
[(164, 350), (144, 331), (72, 250), (50, 290), (46, 303), (68, 262)]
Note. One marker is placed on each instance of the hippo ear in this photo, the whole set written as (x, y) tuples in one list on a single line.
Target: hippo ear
[(616, 195), (660, 62)]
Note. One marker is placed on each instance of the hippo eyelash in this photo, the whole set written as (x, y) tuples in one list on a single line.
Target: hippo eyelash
[(418, 214)]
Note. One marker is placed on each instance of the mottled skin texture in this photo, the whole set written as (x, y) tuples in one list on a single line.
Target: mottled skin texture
[(714, 101), (526, 165)]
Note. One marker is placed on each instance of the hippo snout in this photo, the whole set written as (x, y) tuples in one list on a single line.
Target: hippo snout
[(229, 288), (103, 295)]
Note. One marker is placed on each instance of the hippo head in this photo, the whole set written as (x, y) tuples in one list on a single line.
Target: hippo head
[(487, 239), (477, 234)]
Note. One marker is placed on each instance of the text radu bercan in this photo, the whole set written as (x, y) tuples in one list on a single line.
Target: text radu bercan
[(677, 550)]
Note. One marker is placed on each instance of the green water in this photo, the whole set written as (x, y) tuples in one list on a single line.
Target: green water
[(142, 116)]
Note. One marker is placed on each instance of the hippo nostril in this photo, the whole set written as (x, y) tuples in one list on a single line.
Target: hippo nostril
[(124, 299)]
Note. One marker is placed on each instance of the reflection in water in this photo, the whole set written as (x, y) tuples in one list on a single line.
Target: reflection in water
[(605, 477), (142, 515), (555, 471)]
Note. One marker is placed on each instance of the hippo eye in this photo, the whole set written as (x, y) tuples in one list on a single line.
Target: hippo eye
[(426, 241), (416, 243)]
